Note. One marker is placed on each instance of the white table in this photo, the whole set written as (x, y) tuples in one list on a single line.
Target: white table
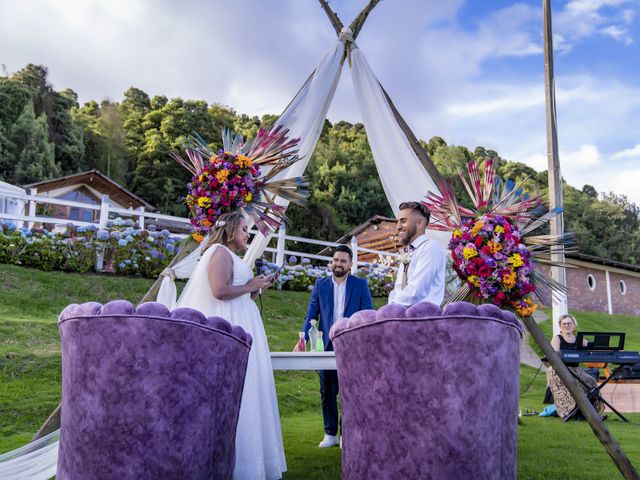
[(303, 360)]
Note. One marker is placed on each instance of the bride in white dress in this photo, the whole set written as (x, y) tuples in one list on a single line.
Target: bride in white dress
[(223, 285)]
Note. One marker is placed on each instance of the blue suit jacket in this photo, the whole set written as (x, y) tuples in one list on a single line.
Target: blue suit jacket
[(357, 297)]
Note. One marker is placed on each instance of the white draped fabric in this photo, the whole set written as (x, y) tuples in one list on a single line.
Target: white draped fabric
[(35, 461), (403, 178), (401, 173), (304, 117), (167, 294)]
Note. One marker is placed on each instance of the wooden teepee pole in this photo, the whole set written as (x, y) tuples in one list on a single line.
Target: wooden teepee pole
[(356, 27), (557, 226)]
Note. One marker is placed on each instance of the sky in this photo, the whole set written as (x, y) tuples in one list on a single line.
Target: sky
[(469, 71)]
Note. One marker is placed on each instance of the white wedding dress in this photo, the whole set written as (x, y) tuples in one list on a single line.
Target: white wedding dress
[(259, 449)]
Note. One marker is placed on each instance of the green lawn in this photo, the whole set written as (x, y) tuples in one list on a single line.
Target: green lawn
[(30, 301)]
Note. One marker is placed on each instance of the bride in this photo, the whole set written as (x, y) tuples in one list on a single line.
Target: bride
[(223, 285)]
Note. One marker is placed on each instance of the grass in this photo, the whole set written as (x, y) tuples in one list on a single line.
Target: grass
[(30, 301)]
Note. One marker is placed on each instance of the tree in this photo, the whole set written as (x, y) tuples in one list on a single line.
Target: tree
[(13, 98), (35, 159), (114, 161)]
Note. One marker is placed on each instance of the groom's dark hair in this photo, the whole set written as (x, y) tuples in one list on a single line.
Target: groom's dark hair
[(418, 207), (344, 249)]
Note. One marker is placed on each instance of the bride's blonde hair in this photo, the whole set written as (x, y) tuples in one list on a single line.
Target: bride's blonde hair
[(226, 231)]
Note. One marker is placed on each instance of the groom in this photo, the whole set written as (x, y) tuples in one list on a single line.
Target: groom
[(421, 273), (334, 297)]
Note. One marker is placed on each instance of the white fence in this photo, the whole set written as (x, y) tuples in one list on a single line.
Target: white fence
[(108, 211)]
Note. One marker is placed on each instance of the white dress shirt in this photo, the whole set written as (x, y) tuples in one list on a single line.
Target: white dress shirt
[(425, 276), (339, 293)]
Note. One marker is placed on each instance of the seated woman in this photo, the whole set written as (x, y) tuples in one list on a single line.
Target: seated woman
[(588, 379)]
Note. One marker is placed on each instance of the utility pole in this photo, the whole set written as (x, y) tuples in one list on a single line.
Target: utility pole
[(558, 273)]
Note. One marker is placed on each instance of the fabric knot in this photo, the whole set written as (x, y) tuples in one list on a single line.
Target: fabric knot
[(168, 272), (346, 35)]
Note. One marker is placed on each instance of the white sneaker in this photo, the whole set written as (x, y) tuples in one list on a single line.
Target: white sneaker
[(329, 441)]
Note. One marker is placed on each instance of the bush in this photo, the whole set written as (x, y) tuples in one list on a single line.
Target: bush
[(125, 250)]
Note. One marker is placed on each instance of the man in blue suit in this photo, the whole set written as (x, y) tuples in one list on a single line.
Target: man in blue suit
[(334, 297)]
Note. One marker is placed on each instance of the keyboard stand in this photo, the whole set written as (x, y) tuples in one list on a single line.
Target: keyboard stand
[(595, 393)]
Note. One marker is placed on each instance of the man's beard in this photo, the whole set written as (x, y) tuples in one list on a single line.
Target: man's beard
[(339, 272), (408, 235)]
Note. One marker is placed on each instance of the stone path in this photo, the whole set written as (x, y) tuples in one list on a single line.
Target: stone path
[(528, 356)]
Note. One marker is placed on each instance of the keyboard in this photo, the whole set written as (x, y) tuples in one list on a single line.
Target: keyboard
[(617, 357)]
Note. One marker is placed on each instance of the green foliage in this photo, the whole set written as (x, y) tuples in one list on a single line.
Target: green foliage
[(34, 154), (131, 140)]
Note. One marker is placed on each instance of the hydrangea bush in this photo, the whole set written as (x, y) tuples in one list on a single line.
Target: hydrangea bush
[(128, 250), (125, 249), (302, 275)]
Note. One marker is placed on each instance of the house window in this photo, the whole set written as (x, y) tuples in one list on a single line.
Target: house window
[(81, 195), (623, 287), (591, 282)]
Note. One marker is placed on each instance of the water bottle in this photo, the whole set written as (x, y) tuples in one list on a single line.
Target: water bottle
[(313, 335), (319, 342)]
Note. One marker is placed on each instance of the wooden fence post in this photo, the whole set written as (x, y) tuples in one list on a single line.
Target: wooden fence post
[(280, 255), (32, 207), (102, 224), (140, 218), (354, 250)]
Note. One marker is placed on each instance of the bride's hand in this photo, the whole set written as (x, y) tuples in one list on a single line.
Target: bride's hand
[(260, 282)]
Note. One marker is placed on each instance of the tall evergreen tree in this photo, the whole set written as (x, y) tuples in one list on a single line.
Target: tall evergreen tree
[(34, 153)]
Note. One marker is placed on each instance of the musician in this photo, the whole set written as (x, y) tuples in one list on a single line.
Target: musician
[(562, 398), (567, 341)]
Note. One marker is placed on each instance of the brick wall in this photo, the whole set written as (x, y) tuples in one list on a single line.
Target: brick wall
[(582, 297)]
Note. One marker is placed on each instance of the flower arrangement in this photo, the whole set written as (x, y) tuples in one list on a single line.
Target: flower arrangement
[(493, 250), (489, 255), (241, 176)]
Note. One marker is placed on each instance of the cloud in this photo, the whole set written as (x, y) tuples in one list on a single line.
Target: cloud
[(633, 153), (581, 19)]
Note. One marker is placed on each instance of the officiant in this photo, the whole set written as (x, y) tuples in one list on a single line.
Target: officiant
[(340, 295), (421, 273)]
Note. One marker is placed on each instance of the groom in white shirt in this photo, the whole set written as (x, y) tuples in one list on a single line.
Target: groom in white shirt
[(421, 273)]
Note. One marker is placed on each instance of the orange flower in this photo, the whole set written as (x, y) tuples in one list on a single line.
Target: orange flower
[(527, 309), (222, 175), (243, 162), (206, 223), (197, 237), (494, 246), (509, 280)]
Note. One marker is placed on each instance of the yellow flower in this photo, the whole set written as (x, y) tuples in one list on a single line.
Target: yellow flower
[(456, 233), (477, 227), (516, 260), (197, 237), (499, 229), (475, 280), (222, 175), (212, 159), (243, 161), (249, 197), (203, 176), (469, 252), (204, 202), (509, 280)]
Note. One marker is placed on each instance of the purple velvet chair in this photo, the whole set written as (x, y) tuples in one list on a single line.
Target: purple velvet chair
[(148, 393), (429, 393)]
